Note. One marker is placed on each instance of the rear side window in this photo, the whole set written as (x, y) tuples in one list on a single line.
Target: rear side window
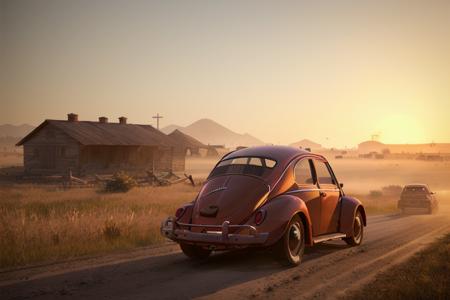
[(323, 174), (302, 172)]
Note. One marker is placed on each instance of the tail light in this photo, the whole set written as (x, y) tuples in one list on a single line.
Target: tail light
[(260, 216), (179, 213)]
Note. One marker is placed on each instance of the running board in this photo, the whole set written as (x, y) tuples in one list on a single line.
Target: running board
[(327, 237)]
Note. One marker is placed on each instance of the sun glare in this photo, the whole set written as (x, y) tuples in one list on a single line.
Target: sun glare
[(398, 129)]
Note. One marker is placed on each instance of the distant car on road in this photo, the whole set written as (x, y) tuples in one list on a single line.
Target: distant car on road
[(267, 196), (417, 197)]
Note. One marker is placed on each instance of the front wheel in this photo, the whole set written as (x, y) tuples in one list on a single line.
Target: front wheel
[(291, 246), (358, 231), (194, 252)]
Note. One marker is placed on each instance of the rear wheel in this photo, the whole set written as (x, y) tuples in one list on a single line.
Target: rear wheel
[(194, 252), (291, 246), (358, 231)]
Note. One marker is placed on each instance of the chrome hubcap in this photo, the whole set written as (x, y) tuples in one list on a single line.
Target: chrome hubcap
[(295, 239)]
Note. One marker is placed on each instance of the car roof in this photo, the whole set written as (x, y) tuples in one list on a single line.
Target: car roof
[(416, 185), (283, 155)]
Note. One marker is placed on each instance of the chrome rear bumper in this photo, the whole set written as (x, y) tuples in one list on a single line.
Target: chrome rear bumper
[(174, 231)]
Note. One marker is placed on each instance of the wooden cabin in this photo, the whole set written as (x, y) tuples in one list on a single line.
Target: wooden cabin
[(191, 146), (87, 147)]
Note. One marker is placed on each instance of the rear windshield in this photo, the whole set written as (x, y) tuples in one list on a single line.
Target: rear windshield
[(257, 166), (415, 190)]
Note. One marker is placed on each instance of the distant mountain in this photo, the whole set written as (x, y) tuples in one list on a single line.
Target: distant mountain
[(210, 132), (170, 128), (305, 143), (8, 130)]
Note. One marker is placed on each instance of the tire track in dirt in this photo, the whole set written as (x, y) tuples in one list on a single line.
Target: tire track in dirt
[(334, 274)]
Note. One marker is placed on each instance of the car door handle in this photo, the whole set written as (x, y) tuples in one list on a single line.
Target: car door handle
[(323, 194)]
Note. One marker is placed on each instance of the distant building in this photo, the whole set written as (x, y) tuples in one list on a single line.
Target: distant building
[(305, 143), (87, 147), (371, 146), (216, 150), (190, 145), (378, 147)]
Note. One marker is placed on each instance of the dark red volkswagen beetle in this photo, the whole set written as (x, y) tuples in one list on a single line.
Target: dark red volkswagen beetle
[(267, 196)]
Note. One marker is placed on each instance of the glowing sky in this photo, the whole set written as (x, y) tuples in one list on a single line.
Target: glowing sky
[(335, 72)]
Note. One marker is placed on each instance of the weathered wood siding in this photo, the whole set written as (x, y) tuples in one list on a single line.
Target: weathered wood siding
[(163, 159), (178, 160), (50, 151), (110, 159)]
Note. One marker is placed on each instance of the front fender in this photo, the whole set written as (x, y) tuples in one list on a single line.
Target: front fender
[(279, 211), (349, 208)]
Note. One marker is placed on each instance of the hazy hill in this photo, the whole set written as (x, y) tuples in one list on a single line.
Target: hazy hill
[(171, 128), (210, 132), (305, 143), (8, 130)]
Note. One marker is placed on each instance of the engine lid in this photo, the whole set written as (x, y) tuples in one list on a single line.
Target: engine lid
[(230, 198)]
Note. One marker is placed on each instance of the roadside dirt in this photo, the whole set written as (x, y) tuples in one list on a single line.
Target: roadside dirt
[(329, 270)]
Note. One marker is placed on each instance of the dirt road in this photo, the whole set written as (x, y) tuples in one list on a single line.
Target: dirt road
[(329, 270)]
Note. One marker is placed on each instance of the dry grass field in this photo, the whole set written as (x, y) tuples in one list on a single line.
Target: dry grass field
[(424, 276), (48, 224), (40, 223)]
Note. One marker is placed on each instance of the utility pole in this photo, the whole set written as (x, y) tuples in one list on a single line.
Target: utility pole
[(157, 117)]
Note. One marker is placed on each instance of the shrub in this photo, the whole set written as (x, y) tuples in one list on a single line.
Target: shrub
[(392, 190), (111, 231), (375, 194), (121, 182)]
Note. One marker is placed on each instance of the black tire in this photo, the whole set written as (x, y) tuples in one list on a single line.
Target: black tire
[(291, 246), (358, 231), (194, 252)]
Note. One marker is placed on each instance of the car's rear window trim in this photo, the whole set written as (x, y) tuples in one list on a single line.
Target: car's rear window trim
[(263, 167), (252, 156)]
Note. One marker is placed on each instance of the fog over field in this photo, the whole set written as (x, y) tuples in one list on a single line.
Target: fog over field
[(362, 175)]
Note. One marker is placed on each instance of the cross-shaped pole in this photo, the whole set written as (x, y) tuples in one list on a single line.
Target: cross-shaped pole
[(157, 117)]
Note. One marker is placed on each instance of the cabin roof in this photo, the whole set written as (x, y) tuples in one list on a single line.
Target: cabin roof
[(110, 134), (186, 140)]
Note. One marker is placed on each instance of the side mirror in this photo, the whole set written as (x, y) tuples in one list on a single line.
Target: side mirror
[(341, 185)]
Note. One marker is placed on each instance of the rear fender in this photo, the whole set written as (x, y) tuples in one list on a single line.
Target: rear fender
[(349, 208), (187, 215), (279, 212)]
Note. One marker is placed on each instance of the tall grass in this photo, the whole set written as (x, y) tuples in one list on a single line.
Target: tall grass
[(377, 204), (39, 224), (48, 224)]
